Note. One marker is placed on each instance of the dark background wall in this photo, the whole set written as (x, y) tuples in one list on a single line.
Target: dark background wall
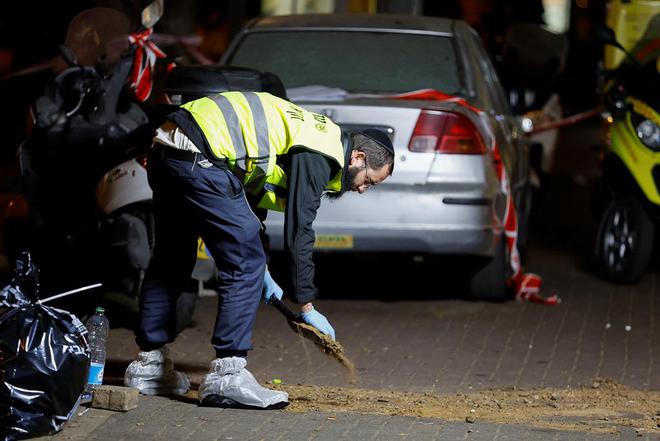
[(30, 32)]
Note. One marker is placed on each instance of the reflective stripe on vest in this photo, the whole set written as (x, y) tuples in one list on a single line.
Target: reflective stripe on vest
[(234, 128), (263, 159), (253, 167)]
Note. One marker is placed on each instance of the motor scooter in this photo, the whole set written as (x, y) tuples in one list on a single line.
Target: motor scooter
[(84, 208), (631, 159)]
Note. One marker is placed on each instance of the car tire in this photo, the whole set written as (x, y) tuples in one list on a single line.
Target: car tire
[(489, 282), (624, 242)]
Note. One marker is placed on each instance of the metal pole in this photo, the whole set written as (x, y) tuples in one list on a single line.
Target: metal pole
[(68, 293)]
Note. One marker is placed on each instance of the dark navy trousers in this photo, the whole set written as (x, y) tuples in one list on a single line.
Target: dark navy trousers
[(192, 201)]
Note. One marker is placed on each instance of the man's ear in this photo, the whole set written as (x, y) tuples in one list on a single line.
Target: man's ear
[(356, 154)]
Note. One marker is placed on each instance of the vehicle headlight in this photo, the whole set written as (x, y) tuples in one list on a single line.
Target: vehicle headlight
[(648, 132)]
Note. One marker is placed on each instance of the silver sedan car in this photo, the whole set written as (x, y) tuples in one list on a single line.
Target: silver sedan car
[(444, 196)]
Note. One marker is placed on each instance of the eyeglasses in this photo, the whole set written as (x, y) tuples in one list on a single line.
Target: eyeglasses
[(369, 182)]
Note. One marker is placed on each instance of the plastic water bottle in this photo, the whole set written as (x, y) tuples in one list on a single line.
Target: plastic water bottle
[(97, 327)]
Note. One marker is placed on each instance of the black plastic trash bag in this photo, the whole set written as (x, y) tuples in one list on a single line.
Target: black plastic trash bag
[(44, 358)]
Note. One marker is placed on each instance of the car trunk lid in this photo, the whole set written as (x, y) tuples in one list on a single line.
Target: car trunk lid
[(398, 119)]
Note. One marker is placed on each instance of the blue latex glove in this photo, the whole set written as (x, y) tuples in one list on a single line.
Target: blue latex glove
[(271, 288), (318, 320)]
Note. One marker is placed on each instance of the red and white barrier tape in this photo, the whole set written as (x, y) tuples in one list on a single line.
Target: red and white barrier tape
[(569, 120), (146, 54)]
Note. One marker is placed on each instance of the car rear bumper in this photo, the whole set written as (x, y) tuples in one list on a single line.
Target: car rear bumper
[(404, 219)]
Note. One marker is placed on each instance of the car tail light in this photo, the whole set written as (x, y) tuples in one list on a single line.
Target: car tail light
[(445, 132), (142, 160)]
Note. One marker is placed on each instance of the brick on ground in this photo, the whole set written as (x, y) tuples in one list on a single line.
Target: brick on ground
[(117, 398)]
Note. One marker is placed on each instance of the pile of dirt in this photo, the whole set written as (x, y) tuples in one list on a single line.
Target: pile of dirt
[(602, 407)]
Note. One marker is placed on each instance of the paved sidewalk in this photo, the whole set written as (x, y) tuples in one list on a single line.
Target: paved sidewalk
[(159, 418), (453, 345), (431, 345)]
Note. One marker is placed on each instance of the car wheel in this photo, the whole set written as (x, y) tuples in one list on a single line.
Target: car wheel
[(624, 242), (489, 281)]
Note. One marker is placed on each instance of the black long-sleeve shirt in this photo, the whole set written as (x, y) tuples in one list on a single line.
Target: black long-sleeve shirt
[(307, 173)]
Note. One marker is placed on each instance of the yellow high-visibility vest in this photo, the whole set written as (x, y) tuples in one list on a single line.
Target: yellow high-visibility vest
[(250, 129)]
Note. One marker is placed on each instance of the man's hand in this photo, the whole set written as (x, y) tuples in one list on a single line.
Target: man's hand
[(318, 320), (271, 288)]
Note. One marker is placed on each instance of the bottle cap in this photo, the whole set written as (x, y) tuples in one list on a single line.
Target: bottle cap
[(100, 309)]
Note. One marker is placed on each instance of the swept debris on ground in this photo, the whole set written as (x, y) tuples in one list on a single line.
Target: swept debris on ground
[(326, 344), (603, 407)]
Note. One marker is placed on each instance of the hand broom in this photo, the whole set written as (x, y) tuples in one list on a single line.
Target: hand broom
[(322, 341)]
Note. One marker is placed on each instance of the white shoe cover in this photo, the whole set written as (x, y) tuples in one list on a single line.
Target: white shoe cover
[(153, 374), (235, 386)]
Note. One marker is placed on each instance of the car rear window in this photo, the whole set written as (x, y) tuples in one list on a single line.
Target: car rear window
[(363, 62)]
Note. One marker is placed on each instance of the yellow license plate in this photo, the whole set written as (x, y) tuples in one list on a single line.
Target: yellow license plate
[(202, 252), (334, 241)]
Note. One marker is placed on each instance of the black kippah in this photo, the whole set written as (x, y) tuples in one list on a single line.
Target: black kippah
[(380, 138)]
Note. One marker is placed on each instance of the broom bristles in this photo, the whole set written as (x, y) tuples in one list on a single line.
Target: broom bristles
[(326, 344)]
